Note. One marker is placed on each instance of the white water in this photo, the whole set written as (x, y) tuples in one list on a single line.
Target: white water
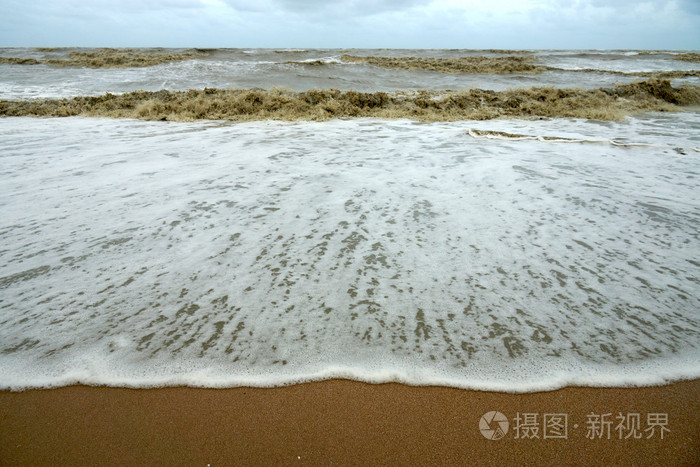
[(221, 254)]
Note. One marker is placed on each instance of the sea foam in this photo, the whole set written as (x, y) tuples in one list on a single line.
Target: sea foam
[(218, 254)]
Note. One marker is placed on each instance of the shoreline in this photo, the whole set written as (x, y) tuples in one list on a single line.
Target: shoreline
[(343, 421)]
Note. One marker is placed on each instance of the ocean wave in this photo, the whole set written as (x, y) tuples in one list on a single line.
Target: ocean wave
[(511, 61), (316, 61), (666, 74), (499, 65), (506, 51), (474, 64), (20, 61), (108, 58), (688, 57), (291, 51), (280, 104)]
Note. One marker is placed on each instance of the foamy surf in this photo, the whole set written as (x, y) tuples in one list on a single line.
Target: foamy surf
[(214, 254)]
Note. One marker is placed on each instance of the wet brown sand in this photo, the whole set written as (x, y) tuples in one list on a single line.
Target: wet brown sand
[(339, 422)]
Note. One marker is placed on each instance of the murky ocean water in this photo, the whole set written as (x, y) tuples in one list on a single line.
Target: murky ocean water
[(300, 70), (220, 254)]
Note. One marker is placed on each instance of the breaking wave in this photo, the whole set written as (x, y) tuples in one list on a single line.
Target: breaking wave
[(501, 65), (477, 64), (688, 57), (279, 104), (107, 58)]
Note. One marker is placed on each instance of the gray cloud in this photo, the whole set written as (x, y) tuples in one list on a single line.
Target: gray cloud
[(672, 24), (691, 6), (329, 7), (77, 9), (136, 5)]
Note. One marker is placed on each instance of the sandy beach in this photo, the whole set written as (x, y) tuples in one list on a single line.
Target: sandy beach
[(346, 422)]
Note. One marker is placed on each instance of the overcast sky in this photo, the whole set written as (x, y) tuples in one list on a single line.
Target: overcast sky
[(554, 24)]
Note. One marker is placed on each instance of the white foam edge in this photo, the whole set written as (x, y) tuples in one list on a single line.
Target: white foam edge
[(635, 375)]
